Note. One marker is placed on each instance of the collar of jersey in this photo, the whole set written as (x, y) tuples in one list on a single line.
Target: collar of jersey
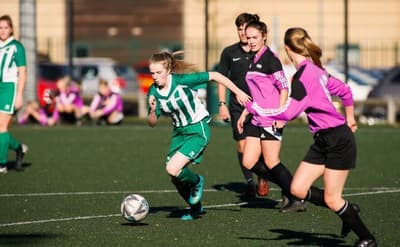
[(258, 55), (167, 88), (4, 43)]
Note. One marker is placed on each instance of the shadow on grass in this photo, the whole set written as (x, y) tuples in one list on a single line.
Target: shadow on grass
[(26, 238), (11, 165), (134, 224), (298, 238), (236, 187), (258, 203), (154, 210), (252, 202), (174, 211)]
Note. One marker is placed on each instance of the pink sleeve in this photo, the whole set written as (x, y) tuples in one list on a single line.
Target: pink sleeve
[(112, 106), (338, 88), (292, 109), (280, 80), (55, 115), (95, 103)]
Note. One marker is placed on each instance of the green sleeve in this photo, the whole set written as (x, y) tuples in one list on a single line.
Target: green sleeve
[(152, 91), (192, 80), (20, 58)]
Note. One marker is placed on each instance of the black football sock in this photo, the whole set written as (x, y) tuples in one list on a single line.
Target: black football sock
[(182, 187), (248, 175), (351, 218), (261, 169), (316, 196), (283, 179), (196, 208)]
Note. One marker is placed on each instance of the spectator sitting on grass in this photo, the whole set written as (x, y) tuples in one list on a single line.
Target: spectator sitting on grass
[(69, 102), (106, 106)]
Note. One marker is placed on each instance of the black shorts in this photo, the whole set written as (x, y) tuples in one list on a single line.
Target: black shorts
[(262, 133), (334, 147), (68, 118), (235, 110)]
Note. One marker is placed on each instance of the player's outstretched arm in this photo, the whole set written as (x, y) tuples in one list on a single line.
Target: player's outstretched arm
[(241, 96)]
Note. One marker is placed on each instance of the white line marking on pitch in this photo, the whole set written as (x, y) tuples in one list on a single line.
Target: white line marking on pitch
[(58, 220), (209, 206), (95, 193), (103, 216), (373, 189)]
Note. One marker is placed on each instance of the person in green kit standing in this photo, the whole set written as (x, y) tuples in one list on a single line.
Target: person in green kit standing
[(175, 95), (12, 83)]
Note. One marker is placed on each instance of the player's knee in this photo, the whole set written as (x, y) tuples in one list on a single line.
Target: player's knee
[(248, 163), (171, 170), (272, 162)]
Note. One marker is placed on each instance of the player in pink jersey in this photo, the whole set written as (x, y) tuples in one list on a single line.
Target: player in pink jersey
[(333, 153), (69, 102), (268, 87), (106, 105)]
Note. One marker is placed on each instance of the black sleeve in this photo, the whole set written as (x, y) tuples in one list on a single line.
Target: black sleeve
[(274, 65), (298, 91)]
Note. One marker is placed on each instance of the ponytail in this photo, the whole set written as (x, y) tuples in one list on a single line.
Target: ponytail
[(298, 40), (171, 62)]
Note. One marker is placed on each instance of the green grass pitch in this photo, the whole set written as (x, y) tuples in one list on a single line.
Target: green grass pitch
[(76, 177)]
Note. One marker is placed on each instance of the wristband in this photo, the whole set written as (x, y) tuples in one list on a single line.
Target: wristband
[(221, 103)]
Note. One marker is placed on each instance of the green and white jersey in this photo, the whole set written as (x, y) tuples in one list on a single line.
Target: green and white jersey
[(12, 56), (180, 100)]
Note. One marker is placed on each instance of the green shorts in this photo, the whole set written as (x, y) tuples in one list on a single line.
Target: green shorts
[(7, 97), (190, 141)]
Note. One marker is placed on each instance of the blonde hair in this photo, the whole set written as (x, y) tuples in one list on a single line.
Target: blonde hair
[(298, 40), (171, 63), (103, 82)]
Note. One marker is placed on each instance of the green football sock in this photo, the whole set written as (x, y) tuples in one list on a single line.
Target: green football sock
[(13, 143), (4, 141), (186, 175)]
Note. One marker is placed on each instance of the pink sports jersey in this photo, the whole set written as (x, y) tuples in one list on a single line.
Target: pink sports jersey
[(71, 96), (311, 93), (265, 80), (101, 102)]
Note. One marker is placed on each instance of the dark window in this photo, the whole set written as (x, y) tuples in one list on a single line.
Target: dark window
[(52, 72)]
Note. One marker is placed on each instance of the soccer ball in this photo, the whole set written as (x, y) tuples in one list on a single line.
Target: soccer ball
[(134, 208)]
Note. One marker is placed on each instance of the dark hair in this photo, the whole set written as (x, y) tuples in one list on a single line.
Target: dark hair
[(244, 18), (298, 40), (7, 18), (259, 25)]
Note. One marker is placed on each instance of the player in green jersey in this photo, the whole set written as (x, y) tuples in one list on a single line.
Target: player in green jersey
[(12, 83), (175, 95)]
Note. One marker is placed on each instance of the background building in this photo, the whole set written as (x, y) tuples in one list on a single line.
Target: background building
[(374, 27), (130, 30)]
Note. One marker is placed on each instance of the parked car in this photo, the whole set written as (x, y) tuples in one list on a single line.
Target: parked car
[(89, 70), (48, 74), (388, 87), (360, 84), (131, 78), (144, 76)]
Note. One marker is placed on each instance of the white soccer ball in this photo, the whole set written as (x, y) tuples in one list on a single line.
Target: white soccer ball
[(134, 208)]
